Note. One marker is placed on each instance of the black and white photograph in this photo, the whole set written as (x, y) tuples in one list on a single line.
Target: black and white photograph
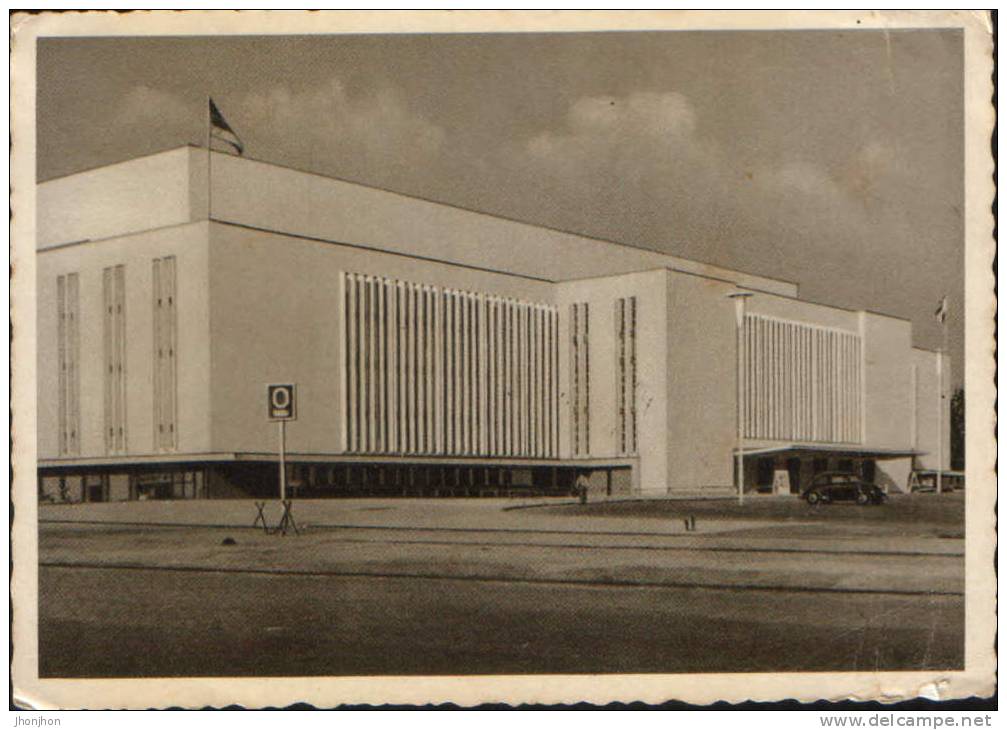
[(546, 351)]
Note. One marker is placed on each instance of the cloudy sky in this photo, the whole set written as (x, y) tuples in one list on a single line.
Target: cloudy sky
[(833, 159)]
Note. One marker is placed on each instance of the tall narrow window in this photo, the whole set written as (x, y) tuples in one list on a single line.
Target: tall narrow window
[(625, 386), (580, 381), (68, 346), (803, 381), (114, 337), (429, 370), (165, 354)]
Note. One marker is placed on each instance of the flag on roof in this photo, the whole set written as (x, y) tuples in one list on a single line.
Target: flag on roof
[(942, 310), (220, 129)]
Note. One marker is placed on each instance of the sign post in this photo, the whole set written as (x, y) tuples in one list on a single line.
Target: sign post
[(283, 460), (282, 405)]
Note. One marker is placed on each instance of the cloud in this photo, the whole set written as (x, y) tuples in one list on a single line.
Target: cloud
[(653, 141), (374, 133), (801, 178), (869, 169), (642, 168), (605, 130), (641, 113), (639, 163), (623, 157)]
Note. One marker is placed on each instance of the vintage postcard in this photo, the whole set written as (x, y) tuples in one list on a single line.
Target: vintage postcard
[(420, 357)]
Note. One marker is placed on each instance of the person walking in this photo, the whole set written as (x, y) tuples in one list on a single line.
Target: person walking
[(582, 485)]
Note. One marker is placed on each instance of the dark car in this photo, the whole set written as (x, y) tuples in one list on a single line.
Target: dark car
[(840, 486)]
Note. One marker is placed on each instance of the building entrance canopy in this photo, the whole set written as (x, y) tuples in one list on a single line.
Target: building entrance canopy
[(833, 450)]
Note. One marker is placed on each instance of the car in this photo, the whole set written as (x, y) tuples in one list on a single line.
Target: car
[(841, 486), (925, 480)]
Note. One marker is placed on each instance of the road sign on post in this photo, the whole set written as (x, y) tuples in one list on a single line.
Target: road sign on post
[(281, 401)]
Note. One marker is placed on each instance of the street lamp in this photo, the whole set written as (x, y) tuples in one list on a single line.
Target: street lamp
[(740, 298)]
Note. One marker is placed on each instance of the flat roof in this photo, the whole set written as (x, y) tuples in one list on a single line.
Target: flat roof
[(498, 216), (709, 277), (432, 201)]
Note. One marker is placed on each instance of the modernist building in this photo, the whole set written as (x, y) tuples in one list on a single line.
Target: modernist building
[(434, 349)]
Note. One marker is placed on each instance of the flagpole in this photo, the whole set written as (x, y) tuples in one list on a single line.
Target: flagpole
[(209, 163), (942, 314), (941, 400)]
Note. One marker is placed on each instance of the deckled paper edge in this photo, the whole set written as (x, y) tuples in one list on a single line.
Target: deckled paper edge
[(976, 680)]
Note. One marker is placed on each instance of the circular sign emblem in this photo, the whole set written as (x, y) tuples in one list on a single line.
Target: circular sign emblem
[(281, 398), (281, 402)]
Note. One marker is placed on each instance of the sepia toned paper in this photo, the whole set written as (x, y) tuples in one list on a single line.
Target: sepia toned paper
[(579, 152)]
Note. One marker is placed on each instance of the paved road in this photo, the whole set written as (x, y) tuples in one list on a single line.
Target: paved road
[(667, 560), (142, 623), (464, 588)]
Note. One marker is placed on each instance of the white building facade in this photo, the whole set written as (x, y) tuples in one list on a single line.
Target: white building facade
[(436, 350)]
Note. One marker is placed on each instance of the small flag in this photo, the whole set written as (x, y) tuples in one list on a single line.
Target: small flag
[(220, 129), (942, 310)]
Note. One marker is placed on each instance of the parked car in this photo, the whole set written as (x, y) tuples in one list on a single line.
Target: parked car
[(841, 486), (925, 480)]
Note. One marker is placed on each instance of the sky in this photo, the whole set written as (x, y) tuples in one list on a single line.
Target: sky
[(829, 158)]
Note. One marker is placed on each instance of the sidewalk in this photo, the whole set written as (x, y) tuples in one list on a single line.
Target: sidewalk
[(440, 513), (495, 517)]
